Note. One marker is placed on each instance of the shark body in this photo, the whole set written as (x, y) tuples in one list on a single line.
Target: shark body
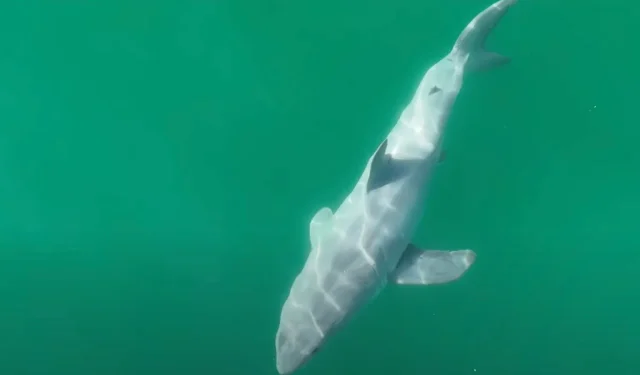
[(366, 243)]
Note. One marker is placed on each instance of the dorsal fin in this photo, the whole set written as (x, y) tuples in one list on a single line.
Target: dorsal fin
[(385, 169), (379, 170), (320, 222)]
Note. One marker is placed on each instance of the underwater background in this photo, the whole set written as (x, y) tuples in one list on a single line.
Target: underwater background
[(160, 162)]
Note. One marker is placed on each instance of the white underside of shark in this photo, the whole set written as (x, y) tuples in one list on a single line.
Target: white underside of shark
[(366, 242)]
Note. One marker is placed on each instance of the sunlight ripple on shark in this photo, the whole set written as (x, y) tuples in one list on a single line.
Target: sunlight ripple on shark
[(366, 243)]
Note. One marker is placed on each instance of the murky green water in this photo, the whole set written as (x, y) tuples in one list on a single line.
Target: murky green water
[(160, 162)]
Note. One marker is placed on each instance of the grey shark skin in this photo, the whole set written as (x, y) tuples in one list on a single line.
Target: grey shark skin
[(366, 243)]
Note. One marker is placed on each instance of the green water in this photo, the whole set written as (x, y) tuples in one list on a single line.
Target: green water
[(160, 162)]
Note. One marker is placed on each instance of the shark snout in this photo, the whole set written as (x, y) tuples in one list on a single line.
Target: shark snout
[(290, 354), (285, 365)]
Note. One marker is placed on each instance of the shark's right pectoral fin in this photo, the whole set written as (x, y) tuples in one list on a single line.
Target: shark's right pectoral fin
[(425, 267)]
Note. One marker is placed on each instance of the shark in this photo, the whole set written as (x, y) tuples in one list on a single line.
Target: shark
[(366, 244)]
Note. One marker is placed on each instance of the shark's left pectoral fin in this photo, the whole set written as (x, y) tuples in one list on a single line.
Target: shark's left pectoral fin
[(425, 267), (319, 224)]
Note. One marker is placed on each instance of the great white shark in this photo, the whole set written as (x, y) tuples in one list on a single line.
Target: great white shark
[(366, 243)]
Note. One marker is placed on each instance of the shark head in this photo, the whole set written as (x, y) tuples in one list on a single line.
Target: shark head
[(297, 341)]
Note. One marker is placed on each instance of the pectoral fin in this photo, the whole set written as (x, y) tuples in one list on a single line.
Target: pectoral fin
[(319, 224), (425, 267)]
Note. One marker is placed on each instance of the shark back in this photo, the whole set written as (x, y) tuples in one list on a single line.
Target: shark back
[(366, 242), (353, 252)]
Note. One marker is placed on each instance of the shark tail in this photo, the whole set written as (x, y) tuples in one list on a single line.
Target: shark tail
[(470, 44)]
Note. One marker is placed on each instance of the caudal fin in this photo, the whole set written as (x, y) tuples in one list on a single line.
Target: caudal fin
[(470, 43)]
